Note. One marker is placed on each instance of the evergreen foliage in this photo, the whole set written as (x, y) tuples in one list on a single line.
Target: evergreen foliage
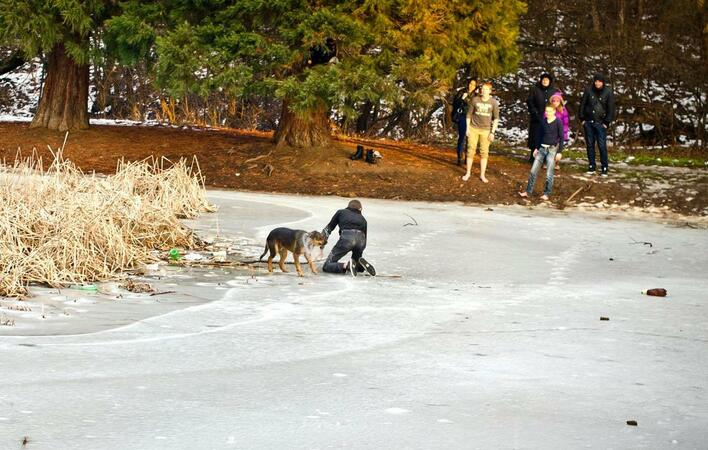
[(401, 52), (398, 53)]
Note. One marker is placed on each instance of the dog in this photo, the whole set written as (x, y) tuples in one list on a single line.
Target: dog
[(299, 242)]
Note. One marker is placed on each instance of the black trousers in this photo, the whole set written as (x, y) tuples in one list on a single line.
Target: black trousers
[(349, 241)]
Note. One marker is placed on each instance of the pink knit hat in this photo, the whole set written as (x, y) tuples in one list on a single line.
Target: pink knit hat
[(558, 94)]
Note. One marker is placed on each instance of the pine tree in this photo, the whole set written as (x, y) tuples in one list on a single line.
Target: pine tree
[(68, 34), (395, 51), (61, 31)]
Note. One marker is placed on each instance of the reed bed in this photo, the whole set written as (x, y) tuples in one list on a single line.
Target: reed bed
[(59, 226)]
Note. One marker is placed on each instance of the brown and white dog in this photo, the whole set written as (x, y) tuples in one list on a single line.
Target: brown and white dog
[(299, 242)]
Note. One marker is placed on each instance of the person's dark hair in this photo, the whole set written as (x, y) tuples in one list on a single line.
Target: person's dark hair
[(354, 204), (598, 76)]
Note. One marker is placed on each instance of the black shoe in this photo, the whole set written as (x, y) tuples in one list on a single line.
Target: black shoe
[(367, 266), (370, 158), (603, 172), (591, 171), (358, 154)]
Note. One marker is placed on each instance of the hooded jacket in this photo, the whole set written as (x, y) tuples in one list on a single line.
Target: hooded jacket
[(598, 105), (539, 96)]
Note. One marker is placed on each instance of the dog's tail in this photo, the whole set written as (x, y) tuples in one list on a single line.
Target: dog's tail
[(264, 252)]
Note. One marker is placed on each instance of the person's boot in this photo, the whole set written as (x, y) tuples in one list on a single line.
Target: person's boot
[(358, 154), (370, 158)]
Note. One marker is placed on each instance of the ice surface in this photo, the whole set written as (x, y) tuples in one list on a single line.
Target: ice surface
[(491, 339)]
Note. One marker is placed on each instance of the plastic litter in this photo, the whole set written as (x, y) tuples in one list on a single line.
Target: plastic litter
[(86, 287), (193, 257)]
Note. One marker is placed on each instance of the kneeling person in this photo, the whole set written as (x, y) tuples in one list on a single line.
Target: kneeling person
[(352, 238)]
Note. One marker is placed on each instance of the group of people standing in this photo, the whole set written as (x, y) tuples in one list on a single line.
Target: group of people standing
[(477, 118)]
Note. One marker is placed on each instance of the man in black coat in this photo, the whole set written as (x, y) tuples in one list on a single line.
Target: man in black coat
[(597, 111), (538, 98), (352, 238)]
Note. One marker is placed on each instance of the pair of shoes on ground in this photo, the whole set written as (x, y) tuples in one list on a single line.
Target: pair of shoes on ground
[(353, 267), (603, 171), (371, 155)]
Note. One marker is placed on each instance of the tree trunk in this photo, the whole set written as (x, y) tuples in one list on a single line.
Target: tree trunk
[(310, 129), (64, 102)]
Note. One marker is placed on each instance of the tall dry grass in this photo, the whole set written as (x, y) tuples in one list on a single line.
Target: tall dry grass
[(60, 226)]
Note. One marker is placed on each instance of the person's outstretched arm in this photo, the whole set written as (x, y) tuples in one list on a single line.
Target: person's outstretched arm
[(332, 224)]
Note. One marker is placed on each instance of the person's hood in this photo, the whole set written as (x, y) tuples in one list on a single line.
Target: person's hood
[(599, 77), (545, 75)]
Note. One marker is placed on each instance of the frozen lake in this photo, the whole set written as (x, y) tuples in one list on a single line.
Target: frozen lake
[(492, 338)]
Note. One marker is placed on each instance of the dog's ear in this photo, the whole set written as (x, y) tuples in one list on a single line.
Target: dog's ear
[(319, 236)]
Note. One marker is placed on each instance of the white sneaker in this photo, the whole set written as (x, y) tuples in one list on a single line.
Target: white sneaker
[(352, 267)]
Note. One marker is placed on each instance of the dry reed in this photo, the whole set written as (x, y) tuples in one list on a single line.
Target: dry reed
[(59, 226)]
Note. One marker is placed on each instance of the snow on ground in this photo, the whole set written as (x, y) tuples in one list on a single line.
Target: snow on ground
[(492, 338)]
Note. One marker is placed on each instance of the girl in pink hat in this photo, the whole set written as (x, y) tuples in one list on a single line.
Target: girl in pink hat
[(556, 101)]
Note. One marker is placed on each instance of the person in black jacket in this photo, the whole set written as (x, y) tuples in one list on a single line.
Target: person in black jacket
[(539, 97), (352, 238), (597, 111), (460, 105)]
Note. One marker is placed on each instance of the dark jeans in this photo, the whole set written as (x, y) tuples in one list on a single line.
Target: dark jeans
[(349, 241), (596, 132), (461, 134)]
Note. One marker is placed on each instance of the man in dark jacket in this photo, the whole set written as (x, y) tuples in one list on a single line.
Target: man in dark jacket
[(352, 238), (597, 111), (538, 98)]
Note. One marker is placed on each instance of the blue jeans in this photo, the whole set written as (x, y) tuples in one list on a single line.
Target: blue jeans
[(596, 132), (547, 154), (461, 133)]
